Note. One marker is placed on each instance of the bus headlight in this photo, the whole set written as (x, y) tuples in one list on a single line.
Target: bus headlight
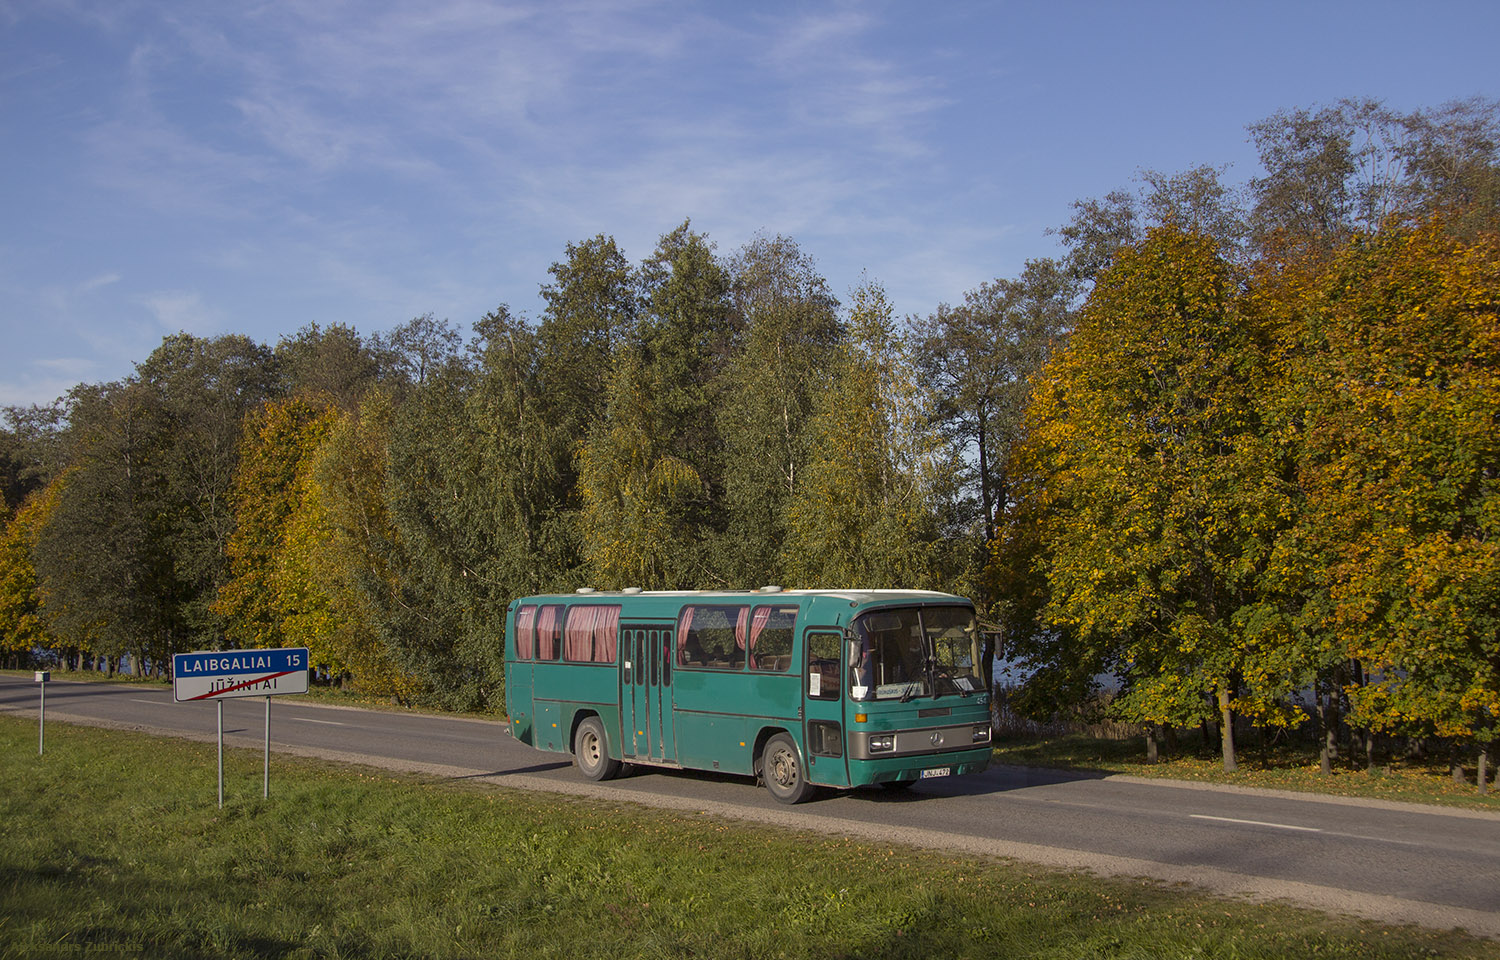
[(981, 733), (883, 744)]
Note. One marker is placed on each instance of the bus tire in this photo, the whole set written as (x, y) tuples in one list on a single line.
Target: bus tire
[(781, 769), (591, 751)]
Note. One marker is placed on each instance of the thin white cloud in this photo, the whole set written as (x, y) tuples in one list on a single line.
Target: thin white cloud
[(97, 282), (183, 310)]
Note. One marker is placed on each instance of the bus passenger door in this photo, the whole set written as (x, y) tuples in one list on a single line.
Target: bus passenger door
[(823, 707), (634, 705), (663, 741)]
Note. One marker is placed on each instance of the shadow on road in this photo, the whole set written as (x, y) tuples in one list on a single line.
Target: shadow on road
[(534, 768)]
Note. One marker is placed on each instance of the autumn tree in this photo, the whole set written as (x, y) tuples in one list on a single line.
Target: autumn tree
[(338, 583), (1162, 497), (276, 453), (23, 626), (1392, 353)]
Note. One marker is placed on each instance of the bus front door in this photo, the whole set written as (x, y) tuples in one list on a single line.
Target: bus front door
[(823, 700)]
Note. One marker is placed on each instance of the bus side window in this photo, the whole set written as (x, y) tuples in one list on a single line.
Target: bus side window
[(823, 665), (713, 636), (549, 632), (771, 630), (525, 632)]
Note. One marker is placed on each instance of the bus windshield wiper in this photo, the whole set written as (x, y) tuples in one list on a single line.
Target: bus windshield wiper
[(909, 693)]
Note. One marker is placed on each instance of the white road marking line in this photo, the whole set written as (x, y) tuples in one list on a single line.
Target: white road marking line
[(331, 723), (1256, 823), (160, 703), (1360, 836)]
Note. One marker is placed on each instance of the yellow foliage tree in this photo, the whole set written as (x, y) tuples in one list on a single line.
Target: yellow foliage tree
[(1392, 356), (23, 625), (1154, 497)]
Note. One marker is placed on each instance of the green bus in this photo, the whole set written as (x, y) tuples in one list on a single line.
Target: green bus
[(798, 688)]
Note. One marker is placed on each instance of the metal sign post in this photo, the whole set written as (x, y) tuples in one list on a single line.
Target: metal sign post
[(265, 789), (43, 677), (229, 674)]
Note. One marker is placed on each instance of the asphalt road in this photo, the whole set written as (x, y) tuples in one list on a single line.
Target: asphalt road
[(1386, 861)]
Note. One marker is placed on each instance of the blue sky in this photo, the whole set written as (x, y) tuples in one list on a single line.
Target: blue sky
[(254, 167)]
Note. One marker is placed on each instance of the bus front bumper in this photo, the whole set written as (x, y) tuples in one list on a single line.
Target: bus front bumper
[(894, 769)]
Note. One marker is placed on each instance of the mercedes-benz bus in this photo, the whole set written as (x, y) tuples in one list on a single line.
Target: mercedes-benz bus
[(797, 688)]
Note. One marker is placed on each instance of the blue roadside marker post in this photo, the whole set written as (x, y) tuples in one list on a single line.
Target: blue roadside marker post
[(221, 675)]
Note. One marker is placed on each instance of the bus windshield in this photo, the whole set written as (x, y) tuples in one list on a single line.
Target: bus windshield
[(909, 652)]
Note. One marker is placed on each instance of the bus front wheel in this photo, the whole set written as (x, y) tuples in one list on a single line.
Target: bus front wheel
[(591, 752), (781, 768)]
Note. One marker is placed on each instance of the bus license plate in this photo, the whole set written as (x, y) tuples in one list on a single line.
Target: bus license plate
[(936, 772)]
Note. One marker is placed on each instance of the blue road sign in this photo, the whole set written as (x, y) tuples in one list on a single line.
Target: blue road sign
[(225, 674)]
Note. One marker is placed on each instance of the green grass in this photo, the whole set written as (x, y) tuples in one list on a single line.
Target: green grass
[(1291, 766), (113, 845)]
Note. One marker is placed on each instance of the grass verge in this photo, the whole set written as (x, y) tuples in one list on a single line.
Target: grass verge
[(113, 844), (1283, 767)]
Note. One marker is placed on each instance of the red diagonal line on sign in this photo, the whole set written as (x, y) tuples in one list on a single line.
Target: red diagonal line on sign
[(239, 686)]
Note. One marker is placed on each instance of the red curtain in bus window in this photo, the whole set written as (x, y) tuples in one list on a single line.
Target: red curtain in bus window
[(525, 632), (578, 635), (740, 622), (546, 629), (757, 627), (684, 624), (606, 633)]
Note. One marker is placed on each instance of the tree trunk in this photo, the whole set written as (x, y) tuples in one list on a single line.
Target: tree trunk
[(1329, 723), (1484, 769), (987, 659), (1151, 756), (1227, 737), (1171, 739)]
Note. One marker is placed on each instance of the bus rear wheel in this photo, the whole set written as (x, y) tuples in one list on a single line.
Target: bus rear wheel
[(591, 752), (781, 768)]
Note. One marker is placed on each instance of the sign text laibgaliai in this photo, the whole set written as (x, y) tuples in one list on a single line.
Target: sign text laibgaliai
[(223, 674)]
